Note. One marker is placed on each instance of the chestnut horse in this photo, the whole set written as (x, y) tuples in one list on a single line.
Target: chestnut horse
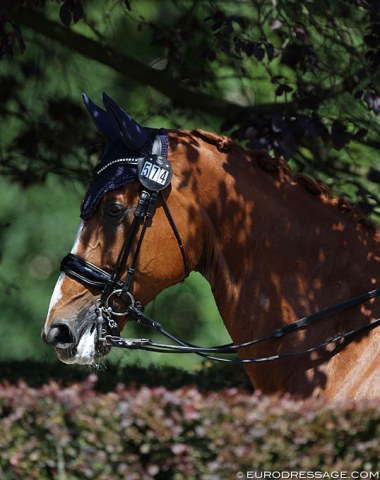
[(273, 245)]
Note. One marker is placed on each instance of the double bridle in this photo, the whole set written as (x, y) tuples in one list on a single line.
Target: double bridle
[(154, 173), (112, 284)]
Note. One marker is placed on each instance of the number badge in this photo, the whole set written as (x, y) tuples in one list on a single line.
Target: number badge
[(154, 172)]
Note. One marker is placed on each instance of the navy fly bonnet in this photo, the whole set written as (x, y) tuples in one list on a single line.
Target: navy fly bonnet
[(125, 139)]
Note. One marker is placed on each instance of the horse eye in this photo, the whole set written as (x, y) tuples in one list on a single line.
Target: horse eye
[(115, 210)]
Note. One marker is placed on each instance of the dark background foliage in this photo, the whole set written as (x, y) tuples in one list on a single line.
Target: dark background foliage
[(316, 66)]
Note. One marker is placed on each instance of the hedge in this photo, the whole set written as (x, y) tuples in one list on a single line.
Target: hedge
[(209, 377), (75, 432)]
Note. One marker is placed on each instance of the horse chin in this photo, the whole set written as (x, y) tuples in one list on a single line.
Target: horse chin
[(87, 351)]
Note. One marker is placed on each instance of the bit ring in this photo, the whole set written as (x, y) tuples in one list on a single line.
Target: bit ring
[(118, 292)]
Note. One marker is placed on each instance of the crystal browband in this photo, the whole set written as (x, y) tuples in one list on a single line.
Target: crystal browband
[(119, 161)]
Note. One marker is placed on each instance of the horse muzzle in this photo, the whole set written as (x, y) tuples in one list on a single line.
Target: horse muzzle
[(76, 346)]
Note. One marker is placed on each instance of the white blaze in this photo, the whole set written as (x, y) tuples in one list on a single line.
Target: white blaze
[(77, 239), (57, 292)]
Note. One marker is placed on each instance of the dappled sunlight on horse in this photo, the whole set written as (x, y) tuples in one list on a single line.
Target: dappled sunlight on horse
[(274, 246)]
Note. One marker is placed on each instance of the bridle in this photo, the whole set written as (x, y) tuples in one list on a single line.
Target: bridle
[(154, 174)]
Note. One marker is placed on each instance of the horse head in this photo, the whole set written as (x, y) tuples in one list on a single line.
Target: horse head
[(128, 248)]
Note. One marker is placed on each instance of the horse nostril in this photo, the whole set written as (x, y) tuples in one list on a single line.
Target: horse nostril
[(60, 335)]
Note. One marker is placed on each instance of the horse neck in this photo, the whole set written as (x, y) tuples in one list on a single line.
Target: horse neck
[(272, 248)]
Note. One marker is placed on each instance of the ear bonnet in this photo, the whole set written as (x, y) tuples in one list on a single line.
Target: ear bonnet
[(125, 139)]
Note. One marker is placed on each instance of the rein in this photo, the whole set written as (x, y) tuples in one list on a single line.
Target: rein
[(154, 173), (136, 314)]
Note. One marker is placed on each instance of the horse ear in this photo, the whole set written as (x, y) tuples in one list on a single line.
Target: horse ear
[(131, 133), (102, 119)]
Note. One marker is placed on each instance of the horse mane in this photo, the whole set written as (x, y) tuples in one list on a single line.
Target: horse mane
[(277, 165)]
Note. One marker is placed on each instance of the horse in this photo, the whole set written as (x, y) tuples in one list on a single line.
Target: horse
[(274, 246)]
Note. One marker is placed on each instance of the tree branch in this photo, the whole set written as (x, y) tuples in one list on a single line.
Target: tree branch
[(138, 71), (160, 80)]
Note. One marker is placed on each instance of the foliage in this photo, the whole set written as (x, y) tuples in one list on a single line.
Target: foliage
[(75, 433), (300, 82)]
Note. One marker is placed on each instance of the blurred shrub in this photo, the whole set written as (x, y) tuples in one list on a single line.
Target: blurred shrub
[(141, 433)]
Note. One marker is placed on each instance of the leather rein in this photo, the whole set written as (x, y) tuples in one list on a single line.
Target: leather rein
[(154, 173)]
